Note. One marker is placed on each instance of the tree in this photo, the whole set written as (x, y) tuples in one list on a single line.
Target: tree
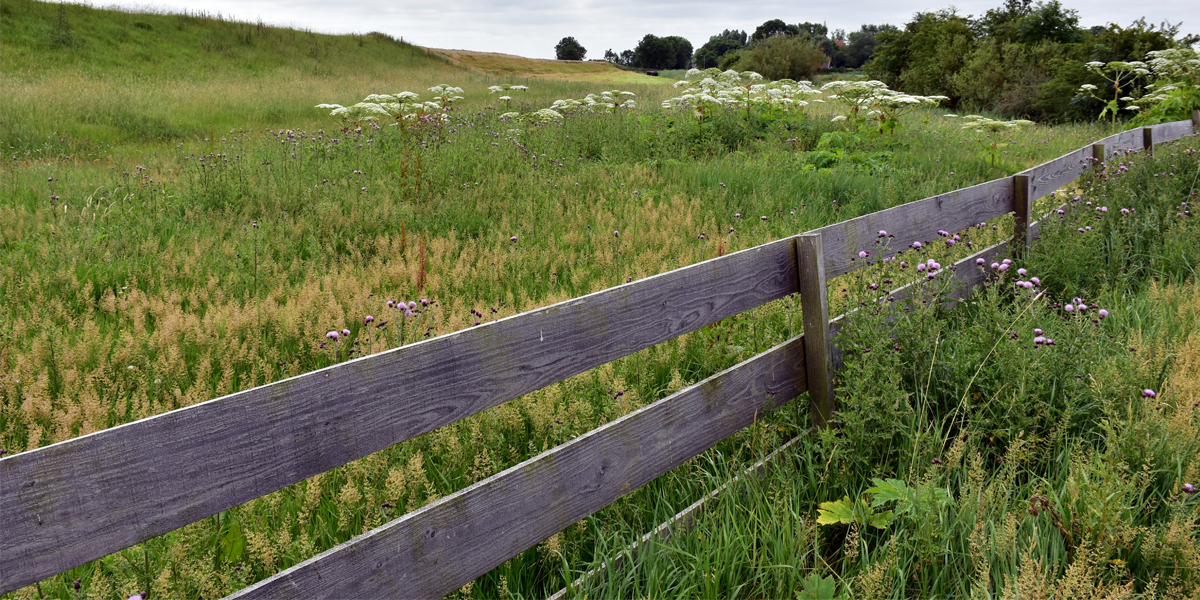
[(772, 28), (683, 52), (860, 45), (717, 46), (654, 52), (611, 56), (569, 49), (780, 57)]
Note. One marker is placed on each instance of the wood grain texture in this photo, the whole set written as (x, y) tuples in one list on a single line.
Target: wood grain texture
[(818, 347), (1022, 210), (1169, 132), (1124, 141), (1051, 175), (440, 547), (913, 222), (79, 500)]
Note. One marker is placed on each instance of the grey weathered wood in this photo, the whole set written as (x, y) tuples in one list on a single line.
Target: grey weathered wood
[(79, 500), (1169, 132), (441, 547), (1022, 210), (683, 520), (818, 344), (912, 222), (1130, 139), (1051, 175)]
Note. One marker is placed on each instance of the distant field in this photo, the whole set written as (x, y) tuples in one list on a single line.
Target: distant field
[(518, 66), (178, 222)]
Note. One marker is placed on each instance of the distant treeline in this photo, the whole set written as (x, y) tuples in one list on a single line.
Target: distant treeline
[(1023, 59)]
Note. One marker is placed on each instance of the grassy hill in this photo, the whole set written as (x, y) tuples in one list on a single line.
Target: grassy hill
[(82, 81)]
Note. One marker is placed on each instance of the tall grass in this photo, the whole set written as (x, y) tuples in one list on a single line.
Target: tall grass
[(177, 232), (1065, 477)]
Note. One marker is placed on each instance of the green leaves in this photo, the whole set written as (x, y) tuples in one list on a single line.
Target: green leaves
[(847, 511), (820, 588), (910, 501)]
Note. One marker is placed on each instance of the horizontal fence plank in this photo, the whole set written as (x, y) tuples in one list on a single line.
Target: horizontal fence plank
[(1169, 132), (1130, 139), (913, 222), (79, 500), (1051, 175), (682, 521), (443, 546)]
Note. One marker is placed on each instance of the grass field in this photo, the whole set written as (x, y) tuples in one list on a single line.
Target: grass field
[(177, 222)]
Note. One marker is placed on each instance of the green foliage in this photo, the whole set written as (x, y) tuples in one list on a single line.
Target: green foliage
[(820, 588), (653, 52), (781, 57), (569, 48)]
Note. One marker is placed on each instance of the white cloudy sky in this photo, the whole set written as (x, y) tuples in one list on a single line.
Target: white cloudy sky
[(532, 27)]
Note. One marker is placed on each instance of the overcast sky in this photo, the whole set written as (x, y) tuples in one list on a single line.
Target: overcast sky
[(532, 27)]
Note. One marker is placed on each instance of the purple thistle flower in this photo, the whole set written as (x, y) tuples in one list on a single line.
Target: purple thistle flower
[(1149, 393), (345, 332), (391, 304), (1069, 308), (882, 233), (1060, 211), (935, 266), (1003, 267), (737, 215), (512, 239), (333, 335), (1028, 285), (1187, 487), (903, 264), (424, 302), (980, 261), (1103, 313), (412, 305), (764, 217), (370, 319), (1037, 331), (921, 267), (616, 234), (862, 254), (995, 265), (1021, 272), (1082, 307), (1035, 281), (1124, 211), (916, 245)]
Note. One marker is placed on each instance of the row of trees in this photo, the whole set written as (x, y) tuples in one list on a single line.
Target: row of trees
[(774, 48), (1023, 59)]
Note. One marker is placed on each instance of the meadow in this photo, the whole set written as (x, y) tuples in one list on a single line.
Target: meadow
[(178, 222)]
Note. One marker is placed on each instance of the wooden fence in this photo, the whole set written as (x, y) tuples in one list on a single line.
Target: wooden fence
[(79, 500)]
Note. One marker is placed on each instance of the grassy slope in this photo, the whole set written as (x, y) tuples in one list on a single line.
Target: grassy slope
[(104, 266)]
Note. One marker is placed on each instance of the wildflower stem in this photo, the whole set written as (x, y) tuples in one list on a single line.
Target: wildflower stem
[(967, 391)]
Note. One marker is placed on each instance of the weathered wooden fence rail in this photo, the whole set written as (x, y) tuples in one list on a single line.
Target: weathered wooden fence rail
[(79, 500)]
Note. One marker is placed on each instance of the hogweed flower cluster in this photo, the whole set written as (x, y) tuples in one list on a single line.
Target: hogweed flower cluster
[(1120, 74), (712, 89), (873, 100), (399, 107)]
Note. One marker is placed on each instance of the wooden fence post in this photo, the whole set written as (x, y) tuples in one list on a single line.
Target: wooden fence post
[(1196, 120), (818, 347), (1148, 140), (1099, 153), (1022, 212)]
